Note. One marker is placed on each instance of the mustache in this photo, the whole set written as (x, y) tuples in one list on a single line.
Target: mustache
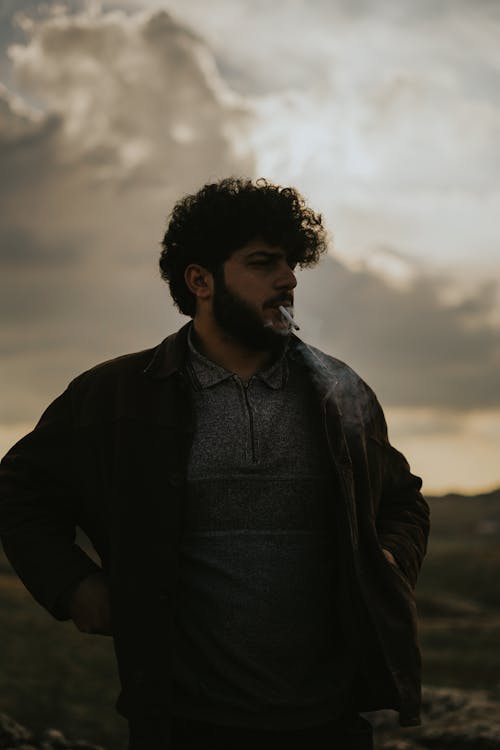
[(285, 300)]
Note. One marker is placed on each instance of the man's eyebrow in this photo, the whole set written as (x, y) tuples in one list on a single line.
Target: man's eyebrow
[(266, 253)]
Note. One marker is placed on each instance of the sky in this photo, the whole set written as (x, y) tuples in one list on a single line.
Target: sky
[(386, 116)]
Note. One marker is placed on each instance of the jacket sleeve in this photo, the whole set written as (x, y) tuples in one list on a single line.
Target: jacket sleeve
[(39, 510), (403, 514)]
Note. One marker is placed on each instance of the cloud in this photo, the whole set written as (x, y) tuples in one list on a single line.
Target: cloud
[(18, 16), (386, 115), (139, 96), (114, 118), (416, 348)]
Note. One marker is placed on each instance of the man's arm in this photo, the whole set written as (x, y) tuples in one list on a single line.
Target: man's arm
[(38, 511), (403, 514)]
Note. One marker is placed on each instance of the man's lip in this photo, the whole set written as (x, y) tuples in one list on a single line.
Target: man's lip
[(285, 303)]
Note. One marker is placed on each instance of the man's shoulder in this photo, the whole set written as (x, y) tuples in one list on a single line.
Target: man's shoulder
[(332, 364), (337, 381), (333, 371), (130, 364), (121, 387), (134, 366)]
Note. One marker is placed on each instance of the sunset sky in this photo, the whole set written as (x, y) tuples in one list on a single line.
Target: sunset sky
[(385, 115)]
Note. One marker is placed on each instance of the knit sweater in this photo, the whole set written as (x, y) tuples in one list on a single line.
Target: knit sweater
[(257, 642)]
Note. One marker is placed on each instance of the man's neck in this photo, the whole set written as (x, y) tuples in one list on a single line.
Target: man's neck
[(228, 353)]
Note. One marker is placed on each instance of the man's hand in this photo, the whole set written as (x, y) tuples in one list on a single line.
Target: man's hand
[(89, 606)]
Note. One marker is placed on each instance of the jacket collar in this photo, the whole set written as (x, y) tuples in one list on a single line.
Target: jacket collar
[(169, 356)]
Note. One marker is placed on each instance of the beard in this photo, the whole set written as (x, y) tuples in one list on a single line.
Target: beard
[(241, 322)]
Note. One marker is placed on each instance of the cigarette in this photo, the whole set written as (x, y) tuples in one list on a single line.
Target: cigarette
[(288, 317)]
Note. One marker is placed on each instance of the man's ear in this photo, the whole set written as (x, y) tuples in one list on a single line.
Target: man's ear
[(199, 281)]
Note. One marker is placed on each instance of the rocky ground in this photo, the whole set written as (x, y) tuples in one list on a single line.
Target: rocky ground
[(452, 720), (13, 735)]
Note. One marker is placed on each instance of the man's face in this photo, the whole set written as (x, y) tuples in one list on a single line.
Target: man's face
[(254, 281)]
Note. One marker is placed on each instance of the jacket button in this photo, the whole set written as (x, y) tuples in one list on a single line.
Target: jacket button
[(176, 479)]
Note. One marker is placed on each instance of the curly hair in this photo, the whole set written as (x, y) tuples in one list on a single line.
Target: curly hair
[(207, 227)]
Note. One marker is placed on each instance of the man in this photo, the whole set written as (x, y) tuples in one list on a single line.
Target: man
[(259, 537)]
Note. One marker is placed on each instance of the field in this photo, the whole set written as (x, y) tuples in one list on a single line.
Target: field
[(458, 594), (53, 676)]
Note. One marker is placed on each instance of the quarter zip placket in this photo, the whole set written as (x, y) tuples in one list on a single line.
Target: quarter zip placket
[(250, 420), (244, 388)]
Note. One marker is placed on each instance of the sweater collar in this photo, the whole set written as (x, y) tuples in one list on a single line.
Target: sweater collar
[(170, 357), (209, 373)]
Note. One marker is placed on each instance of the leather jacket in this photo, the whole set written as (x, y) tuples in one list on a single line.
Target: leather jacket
[(110, 456)]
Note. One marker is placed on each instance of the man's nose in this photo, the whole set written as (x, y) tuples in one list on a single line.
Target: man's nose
[(286, 278)]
